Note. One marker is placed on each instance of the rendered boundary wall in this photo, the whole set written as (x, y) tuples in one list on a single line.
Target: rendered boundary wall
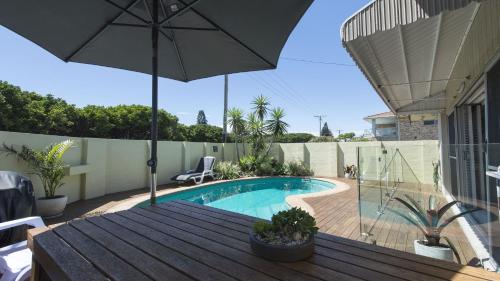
[(105, 166)]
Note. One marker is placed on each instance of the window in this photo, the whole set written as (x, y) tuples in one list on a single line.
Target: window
[(430, 122)]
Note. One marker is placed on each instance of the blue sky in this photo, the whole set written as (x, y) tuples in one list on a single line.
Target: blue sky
[(303, 89)]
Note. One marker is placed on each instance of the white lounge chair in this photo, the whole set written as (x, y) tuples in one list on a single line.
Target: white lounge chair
[(15, 259), (205, 169)]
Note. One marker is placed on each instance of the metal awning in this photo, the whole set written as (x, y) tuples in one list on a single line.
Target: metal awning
[(408, 49)]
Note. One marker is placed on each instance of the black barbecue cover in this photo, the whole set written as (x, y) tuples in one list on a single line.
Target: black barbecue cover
[(17, 200)]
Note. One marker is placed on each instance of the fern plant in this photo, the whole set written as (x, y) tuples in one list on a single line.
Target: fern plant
[(430, 222), (47, 164)]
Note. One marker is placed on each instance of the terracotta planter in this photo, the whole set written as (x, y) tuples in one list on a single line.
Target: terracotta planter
[(438, 252), (51, 207), (282, 253)]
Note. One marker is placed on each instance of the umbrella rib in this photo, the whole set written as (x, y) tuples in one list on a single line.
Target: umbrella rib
[(125, 10), (99, 32), (162, 6), (174, 41), (146, 5), (130, 25), (180, 12), (230, 35), (190, 28), (179, 57)]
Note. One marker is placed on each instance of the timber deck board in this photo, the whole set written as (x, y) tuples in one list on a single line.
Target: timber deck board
[(181, 240)]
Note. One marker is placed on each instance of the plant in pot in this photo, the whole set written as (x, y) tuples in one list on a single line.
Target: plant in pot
[(350, 172), (289, 237), (430, 222), (49, 166)]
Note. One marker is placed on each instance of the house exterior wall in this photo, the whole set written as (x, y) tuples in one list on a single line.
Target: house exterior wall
[(417, 130)]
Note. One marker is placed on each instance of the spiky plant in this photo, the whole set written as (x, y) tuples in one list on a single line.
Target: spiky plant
[(261, 107), (429, 221), (276, 126), (257, 130), (47, 164)]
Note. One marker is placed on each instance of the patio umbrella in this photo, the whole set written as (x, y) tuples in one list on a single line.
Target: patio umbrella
[(178, 39)]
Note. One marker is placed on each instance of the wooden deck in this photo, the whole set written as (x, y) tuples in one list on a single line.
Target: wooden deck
[(338, 215), (183, 241)]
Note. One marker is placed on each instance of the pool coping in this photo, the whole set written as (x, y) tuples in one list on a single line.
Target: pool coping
[(292, 200)]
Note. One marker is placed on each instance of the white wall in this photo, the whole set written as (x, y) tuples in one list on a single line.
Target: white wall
[(104, 166)]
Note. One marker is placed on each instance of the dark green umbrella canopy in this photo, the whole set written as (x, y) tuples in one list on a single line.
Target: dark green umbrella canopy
[(198, 38), (177, 39)]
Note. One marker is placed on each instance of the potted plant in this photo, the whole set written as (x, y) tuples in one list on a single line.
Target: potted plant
[(429, 223), (49, 166), (350, 172), (288, 238)]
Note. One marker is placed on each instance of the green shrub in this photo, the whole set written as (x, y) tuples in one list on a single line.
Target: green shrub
[(298, 169), (279, 168), (264, 168), (287, 226), (268, 166), (248, 164), (227, 171)]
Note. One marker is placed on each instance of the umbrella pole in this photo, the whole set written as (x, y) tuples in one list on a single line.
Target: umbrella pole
[(153, 162)]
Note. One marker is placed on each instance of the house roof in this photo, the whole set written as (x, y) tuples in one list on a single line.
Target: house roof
[(411, 51), (379, 115)]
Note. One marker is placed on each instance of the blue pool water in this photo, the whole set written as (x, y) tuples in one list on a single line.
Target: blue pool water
[(256, 197)]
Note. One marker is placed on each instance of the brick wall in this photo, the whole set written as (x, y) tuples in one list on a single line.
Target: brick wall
[(416, 130)]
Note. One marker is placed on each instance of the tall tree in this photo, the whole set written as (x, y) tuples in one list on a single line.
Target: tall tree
[(276, 126), (237, 124), (261, 107), (202, 119), (325, 131), (204, 133), (346, 137), (257, 131)]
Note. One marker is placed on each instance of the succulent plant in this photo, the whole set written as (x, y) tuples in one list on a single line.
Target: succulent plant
[(290, 225), (431, 221)]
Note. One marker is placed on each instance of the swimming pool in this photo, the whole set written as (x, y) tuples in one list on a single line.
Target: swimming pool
[(254, 197)]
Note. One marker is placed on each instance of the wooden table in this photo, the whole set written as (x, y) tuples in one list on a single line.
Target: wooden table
[(183, 241)]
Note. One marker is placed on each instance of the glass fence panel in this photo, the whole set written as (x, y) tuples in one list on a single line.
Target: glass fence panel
[(411, 198), (394, 177)]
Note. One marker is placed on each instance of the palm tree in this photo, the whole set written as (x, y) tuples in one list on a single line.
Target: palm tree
[(237, 124), (261, 106), (47, 164), (256, 128), (276, 126)]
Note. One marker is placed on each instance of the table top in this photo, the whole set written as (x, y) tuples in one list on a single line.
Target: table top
[(181, 240)]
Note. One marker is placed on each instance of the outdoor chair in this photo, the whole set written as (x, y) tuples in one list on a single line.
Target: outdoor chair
[(204, 169), (15, 259)]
